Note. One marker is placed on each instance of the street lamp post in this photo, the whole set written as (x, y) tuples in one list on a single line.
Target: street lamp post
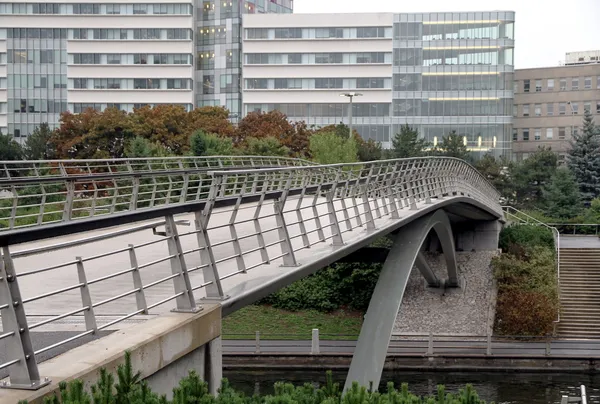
[(351, 96)]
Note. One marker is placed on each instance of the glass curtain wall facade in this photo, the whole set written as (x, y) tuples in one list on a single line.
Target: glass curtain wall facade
[(218, 49), (454, 72), (36, 78)]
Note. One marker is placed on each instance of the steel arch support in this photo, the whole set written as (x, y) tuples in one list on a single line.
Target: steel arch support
[(371, 348)]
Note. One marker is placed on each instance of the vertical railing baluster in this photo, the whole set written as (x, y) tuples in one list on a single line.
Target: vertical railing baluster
[(239, 258), (300, 218), (336, 232), (86, 298), (209, 271), (264, 255), (317, 218), (181, 283), (370, 221), (70, 196), (140, 296), (289, 257), (24, 373)]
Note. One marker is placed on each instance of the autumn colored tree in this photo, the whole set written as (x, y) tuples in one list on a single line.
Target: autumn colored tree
[(264, 124), (211, 120), (299, 142), (167, 125), (69, 139)]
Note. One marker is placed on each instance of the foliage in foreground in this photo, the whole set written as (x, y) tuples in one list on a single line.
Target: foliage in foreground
[(192, 390), (527, 300)]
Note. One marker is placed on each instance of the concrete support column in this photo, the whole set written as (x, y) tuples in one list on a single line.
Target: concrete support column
[(478, 236), (213, 365)]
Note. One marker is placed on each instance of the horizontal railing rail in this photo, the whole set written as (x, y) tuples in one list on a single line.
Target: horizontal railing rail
[(585, 229), (245, 220), (431, 344)]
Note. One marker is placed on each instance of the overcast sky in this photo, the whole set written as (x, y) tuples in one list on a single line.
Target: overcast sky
[(544, 29)]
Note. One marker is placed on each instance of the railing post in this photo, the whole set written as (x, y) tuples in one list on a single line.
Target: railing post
[(257, 339), (315, 348), (23, 372), (548, 346), (86, 299), (181, 283), (68, 208), (430, 344), (289, 257), (239, 258), (336, 231), (488, 346), (367, 204), (140, 296), (209, 271)]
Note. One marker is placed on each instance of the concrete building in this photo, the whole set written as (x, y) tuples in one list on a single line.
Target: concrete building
[(438, 72), (63, 55), (550, 103)]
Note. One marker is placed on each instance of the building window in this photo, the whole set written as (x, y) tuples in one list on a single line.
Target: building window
[(575, 83), (140, 9), (574, 131), (587, 107), (598, 82), (286, 33), (537, 134), (257, 84), (549, 133), (294, 58), (526, 84), (598, 107), (538, 110), (562, 108), (516, 86), (515, 110), (561, 133), (587, 83), (525, 109), (526, 135), (550, 85), (370, 32), (329, 83), (538, 86), (563, 84), (515, 135), (550, 109), (575, 108), (208, 84)]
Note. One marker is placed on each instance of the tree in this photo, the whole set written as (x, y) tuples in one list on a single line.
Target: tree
[(497, 172), (211, 120), (453, 145), (9, 148), (584, 158), (561, 195), (408, 144), (164, 124), (532, 175), (369, 150), (208, 144), (329, 148), (69, 139), (268, 146), (139, 147), (264, 124), (38, 146)]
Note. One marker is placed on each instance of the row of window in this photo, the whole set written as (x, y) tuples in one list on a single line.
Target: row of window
[(537, 133), (129, 84), (319, 33), (30, 81), (91, 8), (562, 83), (564, 108), (81, 107), (465, 29), (318, 83), (232, 9), (23, 105), (131, 34), (130, 59), (325, 110), (36, 56), (452, 56), (472, 81), (449, 107), (318, 58), (37, 33)]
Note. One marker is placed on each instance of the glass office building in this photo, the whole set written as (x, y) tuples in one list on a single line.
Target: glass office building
[(218, 49), (454, 72)]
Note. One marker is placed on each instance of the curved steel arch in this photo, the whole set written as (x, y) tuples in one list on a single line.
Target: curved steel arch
[(371, 348)]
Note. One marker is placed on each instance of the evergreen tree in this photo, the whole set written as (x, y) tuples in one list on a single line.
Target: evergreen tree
[(584, 158), (9, 148), (37, 145), (453, 145), (266, 146), (208, 144), (408, 144), (561, 195), (530, 176)]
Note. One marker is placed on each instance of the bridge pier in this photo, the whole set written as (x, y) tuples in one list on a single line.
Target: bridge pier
[(372, 345), (478, 235)]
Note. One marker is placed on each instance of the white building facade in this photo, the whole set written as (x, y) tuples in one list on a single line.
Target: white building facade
[(437, 72)]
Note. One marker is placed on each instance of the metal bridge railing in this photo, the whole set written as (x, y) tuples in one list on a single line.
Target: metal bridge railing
[(50, 191), (248, 220)]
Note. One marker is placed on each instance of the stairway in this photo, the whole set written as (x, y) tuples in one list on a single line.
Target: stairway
[(579, 293)]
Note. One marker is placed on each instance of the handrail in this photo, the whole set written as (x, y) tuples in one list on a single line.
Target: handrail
[(509, 210)]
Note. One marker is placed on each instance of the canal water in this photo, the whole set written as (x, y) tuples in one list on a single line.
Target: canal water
[(501, 388)]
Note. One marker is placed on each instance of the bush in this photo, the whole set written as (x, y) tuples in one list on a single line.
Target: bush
[(192, 390), (522, 312), (526, 236)]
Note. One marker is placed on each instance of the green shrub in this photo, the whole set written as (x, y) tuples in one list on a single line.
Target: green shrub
[(526, 236), (192, 390), (523, 312)]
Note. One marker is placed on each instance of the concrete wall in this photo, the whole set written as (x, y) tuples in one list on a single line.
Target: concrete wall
[(162, 349), (477, 235)]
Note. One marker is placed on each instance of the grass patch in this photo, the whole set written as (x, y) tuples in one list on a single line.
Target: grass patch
[(281, 324)]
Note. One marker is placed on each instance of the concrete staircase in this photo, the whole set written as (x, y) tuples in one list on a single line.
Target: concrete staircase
[(579, 293)]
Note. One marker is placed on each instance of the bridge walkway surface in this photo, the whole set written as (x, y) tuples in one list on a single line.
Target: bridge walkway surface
[(188, 235)]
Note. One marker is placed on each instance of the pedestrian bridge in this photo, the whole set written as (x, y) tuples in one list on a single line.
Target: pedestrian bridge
[(100, 242)]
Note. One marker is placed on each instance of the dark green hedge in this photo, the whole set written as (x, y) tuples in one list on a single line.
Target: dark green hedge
[(526, 236)]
